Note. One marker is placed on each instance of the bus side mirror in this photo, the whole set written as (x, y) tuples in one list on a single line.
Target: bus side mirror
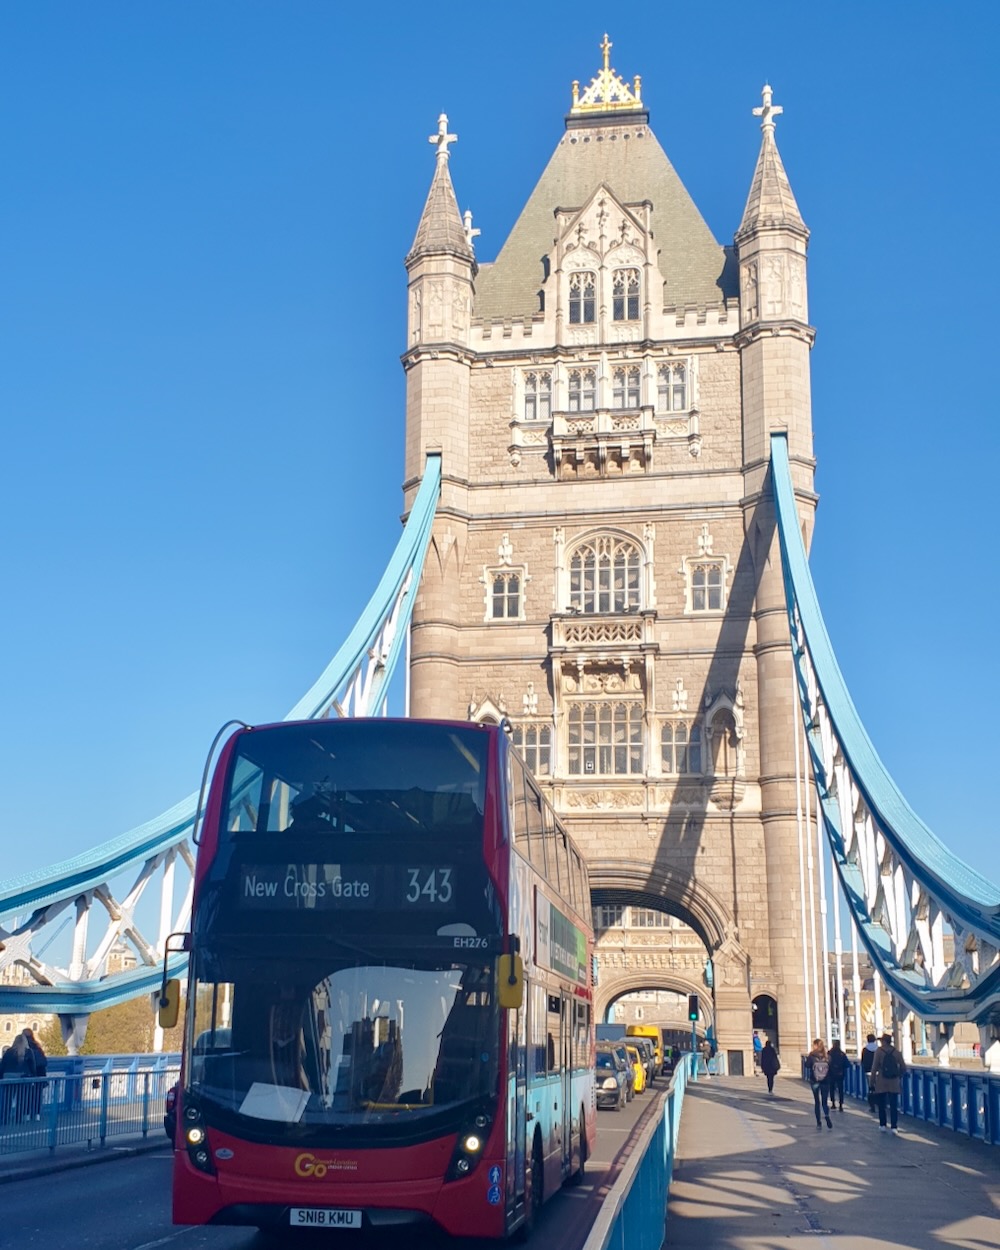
[(169, 1003), (510, 982)]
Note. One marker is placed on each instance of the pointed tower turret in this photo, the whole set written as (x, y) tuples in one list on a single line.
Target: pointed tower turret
[(438, 362), (441, 230), (442, 268), (770, 202), (775, 337)]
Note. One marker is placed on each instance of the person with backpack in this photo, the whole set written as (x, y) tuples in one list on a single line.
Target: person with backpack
[(838, 1066), (867, 1059), (818, 1072), (887, 1080)]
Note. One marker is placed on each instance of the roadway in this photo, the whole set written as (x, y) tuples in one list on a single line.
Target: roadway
[(124, 1204)]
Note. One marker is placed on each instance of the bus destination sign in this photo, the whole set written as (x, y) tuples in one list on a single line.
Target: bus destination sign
[(347, 887)]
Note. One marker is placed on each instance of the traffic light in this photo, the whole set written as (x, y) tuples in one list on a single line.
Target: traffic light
[(692, 1006)]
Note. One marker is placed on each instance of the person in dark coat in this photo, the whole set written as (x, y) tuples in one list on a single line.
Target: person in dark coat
[(41, 1067), (867, 1059), (887, 1077), (769, 1064), (17, 1064), (838, 1066), (818, 1072)]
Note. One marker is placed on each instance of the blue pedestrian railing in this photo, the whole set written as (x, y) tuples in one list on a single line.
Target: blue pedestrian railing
[(83, 1107), (966, 1102), (633, 1214)]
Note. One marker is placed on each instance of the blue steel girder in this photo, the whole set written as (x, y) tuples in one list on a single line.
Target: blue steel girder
[(354, 683), (930, 923)]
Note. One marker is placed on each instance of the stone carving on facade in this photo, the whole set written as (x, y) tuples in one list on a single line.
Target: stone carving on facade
[(680, 696), (505, 551), (435, 309), (529, 702), (604, 800), (773, 286), (415, 312), (489, 710), (705, 541), (750, 306), (797, 287)]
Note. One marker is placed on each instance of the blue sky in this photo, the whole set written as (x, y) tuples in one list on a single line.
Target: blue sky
[(204, 209)]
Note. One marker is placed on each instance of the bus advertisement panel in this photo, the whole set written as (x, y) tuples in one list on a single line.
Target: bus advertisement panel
[(348, 1062)]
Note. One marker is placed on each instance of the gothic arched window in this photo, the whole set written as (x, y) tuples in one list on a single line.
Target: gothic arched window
[(506, 595), (604, 576), (582, 298), (625, 295), (582, 390), (626, 388), (535, 744), (680, 748), (671, 388), (537, 396), (605, 739), (706, 587)]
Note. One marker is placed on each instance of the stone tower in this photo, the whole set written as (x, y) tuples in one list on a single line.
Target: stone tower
[(604, 569)]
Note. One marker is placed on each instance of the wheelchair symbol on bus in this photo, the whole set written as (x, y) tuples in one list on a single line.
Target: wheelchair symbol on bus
[(493, 1195)]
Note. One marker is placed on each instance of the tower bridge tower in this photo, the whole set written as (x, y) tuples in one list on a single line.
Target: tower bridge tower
[(604, 569)]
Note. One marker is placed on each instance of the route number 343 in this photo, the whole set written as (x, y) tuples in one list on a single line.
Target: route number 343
[(429, 886)]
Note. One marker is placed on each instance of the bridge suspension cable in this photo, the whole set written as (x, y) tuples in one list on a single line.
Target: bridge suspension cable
[(929, 922)]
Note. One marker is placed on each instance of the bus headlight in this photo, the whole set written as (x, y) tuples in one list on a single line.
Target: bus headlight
[(196, 1139), (469, 1148)]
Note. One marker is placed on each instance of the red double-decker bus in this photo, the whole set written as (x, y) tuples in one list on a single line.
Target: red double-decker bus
[(389, 1017)]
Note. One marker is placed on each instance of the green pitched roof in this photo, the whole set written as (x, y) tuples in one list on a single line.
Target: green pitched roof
[(624, 155)]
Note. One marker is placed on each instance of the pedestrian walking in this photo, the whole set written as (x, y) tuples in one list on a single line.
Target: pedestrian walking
[(818, 1072), (16, 1066), (769, 1064), (867, 1059), (758, 1046), (838, 1067), (41, 1068), (887, 1077)]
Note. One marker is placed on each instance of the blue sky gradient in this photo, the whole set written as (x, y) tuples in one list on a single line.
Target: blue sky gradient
[(204, 213)]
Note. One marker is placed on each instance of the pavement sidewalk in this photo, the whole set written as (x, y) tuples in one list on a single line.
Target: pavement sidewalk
[(754, 1173), (22, 1167)]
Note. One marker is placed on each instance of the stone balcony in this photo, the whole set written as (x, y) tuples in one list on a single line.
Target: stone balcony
[(602, 442), (610, 636)]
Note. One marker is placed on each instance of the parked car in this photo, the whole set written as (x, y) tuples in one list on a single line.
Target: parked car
[(611, 1081), (645, 1048), (620, 1050), (638, 1068), (170, 1110)]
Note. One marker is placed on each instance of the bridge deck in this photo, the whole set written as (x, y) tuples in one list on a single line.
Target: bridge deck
[(753, 1173)]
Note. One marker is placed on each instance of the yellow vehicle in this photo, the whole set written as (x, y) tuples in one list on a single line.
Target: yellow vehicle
[(652, 1031), (638, 1067)]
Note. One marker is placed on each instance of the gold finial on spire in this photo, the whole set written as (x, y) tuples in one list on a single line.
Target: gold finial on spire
[(768, 111), (607, 92), (442, 139)]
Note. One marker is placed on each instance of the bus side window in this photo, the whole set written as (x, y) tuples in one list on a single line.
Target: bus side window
[(550, 1054), (579, 901), (520, 815), (536, 826)]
